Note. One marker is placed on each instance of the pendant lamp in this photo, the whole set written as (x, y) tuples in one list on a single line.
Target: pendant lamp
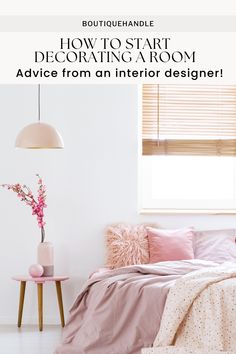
[(39, 135)]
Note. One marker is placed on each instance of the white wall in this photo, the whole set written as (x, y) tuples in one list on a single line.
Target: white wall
[(91, 183)]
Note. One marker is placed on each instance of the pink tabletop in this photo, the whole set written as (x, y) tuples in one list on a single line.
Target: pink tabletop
[(40, 279)]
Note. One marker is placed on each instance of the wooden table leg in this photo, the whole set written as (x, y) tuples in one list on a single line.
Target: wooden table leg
[(40, 305), (60, 302), (21, 302)]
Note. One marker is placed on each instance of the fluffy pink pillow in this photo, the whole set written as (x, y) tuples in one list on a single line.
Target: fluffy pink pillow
[(170, 245), (126, 245)]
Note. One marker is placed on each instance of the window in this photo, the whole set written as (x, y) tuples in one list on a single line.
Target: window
[(188, 148)]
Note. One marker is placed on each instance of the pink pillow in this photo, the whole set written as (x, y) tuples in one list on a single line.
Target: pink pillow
[(126, 245), (170, 245), (215, 245)]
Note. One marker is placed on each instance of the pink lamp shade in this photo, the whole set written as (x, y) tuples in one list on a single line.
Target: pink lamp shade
[(39, 136)]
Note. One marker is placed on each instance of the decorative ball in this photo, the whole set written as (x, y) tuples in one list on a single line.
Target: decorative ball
[(36, 270)]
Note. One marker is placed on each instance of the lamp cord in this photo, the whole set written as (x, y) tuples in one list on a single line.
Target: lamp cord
[(158, 114), (39, 103)]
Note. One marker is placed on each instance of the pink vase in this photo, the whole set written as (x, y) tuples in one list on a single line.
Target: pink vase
[(45, 258)]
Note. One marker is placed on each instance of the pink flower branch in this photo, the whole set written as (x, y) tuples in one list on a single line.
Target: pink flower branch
[(37, 205)]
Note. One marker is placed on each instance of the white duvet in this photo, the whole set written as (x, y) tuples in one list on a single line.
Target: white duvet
[(200, 314)]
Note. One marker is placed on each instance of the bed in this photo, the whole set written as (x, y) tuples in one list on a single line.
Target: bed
[(204, 307), (123, 310)]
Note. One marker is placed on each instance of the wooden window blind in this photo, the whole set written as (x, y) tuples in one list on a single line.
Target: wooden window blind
[(189, 120)]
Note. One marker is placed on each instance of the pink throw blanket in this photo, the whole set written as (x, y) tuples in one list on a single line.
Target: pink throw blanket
[(119, 312)]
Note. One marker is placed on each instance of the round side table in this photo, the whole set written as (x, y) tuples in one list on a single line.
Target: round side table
[(40, 281)]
